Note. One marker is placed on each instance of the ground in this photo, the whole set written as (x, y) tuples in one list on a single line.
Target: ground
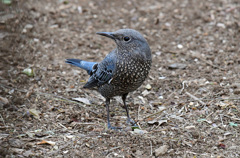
[(188, 107)]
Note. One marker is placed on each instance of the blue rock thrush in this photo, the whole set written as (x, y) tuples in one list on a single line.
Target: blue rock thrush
[(122, 71)]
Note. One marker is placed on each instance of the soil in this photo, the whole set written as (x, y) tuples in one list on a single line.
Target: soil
[(188, 107)]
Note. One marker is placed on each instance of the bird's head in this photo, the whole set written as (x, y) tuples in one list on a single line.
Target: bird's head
[(130, 41)]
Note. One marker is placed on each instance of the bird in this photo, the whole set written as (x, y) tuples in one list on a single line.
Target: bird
[(122, 71)]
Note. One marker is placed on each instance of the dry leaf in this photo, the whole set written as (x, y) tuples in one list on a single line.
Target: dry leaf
[(35, 113), (83, 100), (4, 100), (161, 150), (138, 131), (46, 142), (158, 121)]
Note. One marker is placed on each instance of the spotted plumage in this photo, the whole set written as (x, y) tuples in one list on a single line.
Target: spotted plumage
[(122, 71)]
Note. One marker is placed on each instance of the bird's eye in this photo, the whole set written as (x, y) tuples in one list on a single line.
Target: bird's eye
[(126, 38)]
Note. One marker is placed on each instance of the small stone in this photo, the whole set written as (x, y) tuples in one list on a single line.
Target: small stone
[(167, 24), (87, 145), (145, 92), (237, 91), (180, 46), (177, 66), (139, 153), (36, 40), (161, 150), (191, 103), (70, 136), (190, 127), (161, 78), (28, 153), (148, 87), (80, 10), (160, 97), (158, 53), (29, 26), (221, 25), (65, 152), (24, 31), (3, 101)]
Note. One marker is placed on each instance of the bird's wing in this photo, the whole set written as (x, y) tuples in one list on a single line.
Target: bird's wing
[(102, 72)]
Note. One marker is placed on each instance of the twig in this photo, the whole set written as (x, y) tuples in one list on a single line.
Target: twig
[(190, 152), (195, 98), (56, 97), (186, 108), (3, 120), (152, 127), (62, 126), (236, 119), (20, 90), (222, 99), (155, 113), (197, 55), (169, 51), (108, 151), (86, 123), (75, 102), (96, 119), (150, 147), (139, 126), (183, 86), (60, 148), (210, 115), (114, 148), (138, 112), (221, 119), (159, 130)]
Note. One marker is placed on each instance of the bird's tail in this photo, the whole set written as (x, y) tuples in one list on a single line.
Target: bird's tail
[(86, 65)]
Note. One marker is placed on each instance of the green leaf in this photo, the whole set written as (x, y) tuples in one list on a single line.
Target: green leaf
[(233, 124), (29, 72), (6, 1), (135, 127), (201, 120)]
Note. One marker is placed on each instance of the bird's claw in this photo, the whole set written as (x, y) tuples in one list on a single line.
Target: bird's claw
[(114, 128), (131, 122)]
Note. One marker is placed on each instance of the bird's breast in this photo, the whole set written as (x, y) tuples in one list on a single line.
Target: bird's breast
[(129, 74)]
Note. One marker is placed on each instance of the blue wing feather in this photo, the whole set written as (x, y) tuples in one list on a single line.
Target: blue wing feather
[(100, 73), (86, 65)]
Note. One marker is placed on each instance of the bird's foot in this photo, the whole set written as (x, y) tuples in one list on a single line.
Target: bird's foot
[(114, 128), (131, 122)]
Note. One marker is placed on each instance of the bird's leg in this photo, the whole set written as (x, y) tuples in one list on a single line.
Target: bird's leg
[(108, 116), (129, 120)]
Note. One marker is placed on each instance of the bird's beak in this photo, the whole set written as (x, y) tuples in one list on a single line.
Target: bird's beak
[(107, 34)]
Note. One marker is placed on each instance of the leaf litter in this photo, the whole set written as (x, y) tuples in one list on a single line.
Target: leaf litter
[(193, 111)]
